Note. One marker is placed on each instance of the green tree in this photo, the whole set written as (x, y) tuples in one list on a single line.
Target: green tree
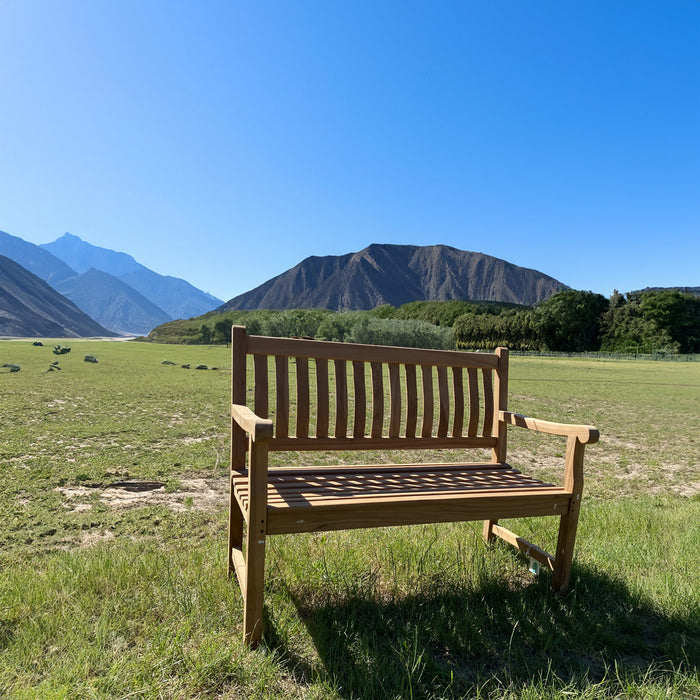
[(652, 321), (571, 321), (222, 331)]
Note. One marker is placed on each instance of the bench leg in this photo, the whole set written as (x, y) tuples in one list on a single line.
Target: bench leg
[(235, 529), (254, 587), (565, 550), (488, 529)]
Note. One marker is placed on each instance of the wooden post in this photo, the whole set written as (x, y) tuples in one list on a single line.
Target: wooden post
[(500, 396), (500, 400), (238, 390), (255, 544)]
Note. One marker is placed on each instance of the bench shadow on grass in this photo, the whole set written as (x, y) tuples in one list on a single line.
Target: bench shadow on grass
[(447, 642)]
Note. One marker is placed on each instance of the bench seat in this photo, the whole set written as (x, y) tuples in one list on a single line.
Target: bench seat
[(339, 498)]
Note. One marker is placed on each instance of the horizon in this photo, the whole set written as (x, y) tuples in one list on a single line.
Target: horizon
[(558, 138)]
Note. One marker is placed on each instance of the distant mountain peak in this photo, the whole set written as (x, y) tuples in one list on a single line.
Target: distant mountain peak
[(81, 256)]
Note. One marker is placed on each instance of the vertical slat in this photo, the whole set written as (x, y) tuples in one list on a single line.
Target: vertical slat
[(488, 402), (395, 395), (411, 401), (341, 398), (282, 396), (473, 426), (458, 390), (444, 394), (377, 399), (322, 411), (358, 373), (500, 392), (261, 393), (302, 365), (428, 409)]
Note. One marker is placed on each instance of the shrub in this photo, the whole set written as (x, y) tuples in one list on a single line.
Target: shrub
[(410, 334)]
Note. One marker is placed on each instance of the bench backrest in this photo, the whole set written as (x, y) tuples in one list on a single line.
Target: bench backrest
[(345, 396)]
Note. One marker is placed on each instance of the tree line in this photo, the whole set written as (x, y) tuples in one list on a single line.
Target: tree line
[(666, 321)]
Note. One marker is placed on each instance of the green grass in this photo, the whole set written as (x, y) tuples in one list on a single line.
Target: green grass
[(106, 598)]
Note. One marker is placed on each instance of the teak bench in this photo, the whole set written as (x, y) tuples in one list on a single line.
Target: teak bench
[(436, 399)]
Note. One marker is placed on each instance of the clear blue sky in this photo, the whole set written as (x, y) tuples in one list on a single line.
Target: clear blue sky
[(224, 141)]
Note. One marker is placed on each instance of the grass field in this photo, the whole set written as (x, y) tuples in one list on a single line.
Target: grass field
[(114, 590)]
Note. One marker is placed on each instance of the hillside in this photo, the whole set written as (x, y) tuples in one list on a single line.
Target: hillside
[(396, 275), (30, 307), (112, 303)]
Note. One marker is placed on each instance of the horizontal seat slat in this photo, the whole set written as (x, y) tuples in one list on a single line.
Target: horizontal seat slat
[(443, 508), (407, 497)]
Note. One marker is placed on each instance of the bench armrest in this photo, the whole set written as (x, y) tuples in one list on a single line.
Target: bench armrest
[(586, 434), (259, 429)]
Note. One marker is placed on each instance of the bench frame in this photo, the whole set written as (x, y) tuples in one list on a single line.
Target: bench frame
[(267, 501)]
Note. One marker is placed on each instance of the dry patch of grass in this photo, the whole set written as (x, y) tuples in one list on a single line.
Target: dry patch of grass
[(199, 493)]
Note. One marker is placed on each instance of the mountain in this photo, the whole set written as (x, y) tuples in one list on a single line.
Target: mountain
[(112, 302), (30, 307), (397, 274), (175, 296), (82, 256), (34, 258)]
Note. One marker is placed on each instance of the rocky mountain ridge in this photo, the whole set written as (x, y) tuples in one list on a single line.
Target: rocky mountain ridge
[(396, 275)]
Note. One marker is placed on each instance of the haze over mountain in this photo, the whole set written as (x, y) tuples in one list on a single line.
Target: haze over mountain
[(178, 298), (34, 258), (30, 307), (397, 274), (112, 287)]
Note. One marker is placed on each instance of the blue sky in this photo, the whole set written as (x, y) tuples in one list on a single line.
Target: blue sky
[(225, 141)]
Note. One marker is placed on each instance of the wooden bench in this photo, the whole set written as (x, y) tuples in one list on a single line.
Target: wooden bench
[(366, 397)]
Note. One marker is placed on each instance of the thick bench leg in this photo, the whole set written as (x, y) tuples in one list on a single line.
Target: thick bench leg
[(565, 550), (255, 546)]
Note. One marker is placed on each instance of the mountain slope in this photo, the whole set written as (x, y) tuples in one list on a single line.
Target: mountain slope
[(30, 307), (397, 274), (112, 303), (175, 296), (34, 258)]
